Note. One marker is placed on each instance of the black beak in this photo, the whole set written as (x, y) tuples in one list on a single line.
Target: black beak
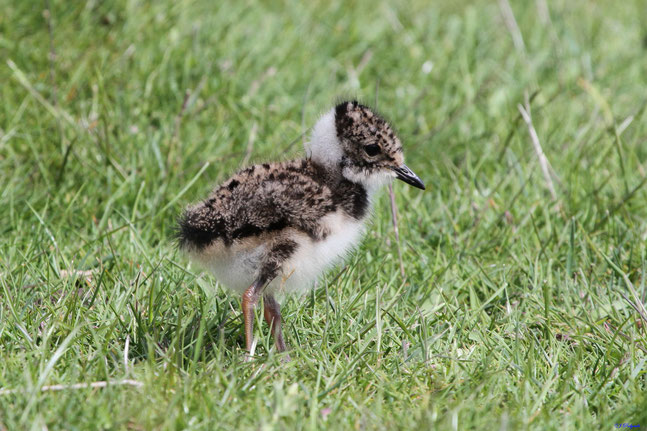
[(405, 174)]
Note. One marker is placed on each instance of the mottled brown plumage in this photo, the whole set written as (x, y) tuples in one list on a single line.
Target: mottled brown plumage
[(269, 198), (277, 226)]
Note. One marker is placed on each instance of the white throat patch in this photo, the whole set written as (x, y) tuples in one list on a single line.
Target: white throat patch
[(372, 182)]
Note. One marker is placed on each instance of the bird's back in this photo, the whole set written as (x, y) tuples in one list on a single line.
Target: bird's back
[(263, 199)]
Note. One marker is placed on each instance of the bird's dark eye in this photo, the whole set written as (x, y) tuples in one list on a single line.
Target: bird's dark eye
[(372, 149)]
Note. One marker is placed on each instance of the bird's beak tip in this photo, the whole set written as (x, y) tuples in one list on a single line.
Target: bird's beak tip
[(405, 174)]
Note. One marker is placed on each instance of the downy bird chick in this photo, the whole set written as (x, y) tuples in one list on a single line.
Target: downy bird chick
[(276, 227)]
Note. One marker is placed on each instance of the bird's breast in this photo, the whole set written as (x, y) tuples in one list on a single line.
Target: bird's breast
[(313, 257)]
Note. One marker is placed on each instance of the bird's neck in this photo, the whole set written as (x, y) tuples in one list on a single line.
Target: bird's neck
[(336, 175), (351, 197)]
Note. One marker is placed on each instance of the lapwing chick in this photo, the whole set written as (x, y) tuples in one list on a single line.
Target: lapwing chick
[(275, 227)]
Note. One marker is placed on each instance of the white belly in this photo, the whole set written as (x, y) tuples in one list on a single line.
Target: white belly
[(238, 267), (312, 258)]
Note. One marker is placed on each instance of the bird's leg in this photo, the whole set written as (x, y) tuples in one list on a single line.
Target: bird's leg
[(277, 254), (272, 312), (250, 299)]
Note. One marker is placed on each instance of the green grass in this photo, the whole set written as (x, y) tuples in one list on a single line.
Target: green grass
[(517, 310)]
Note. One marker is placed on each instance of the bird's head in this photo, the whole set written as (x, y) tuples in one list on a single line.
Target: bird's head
[(354, 139)]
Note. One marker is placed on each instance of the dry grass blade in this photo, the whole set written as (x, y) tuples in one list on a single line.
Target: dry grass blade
[(640, 309), (543, 161), (76, 386), (394, 219), (511, 24), (250, 143), (86, 275), (47, 14)]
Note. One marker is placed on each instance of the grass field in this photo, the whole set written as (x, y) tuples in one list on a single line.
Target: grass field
[(522, 304)]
